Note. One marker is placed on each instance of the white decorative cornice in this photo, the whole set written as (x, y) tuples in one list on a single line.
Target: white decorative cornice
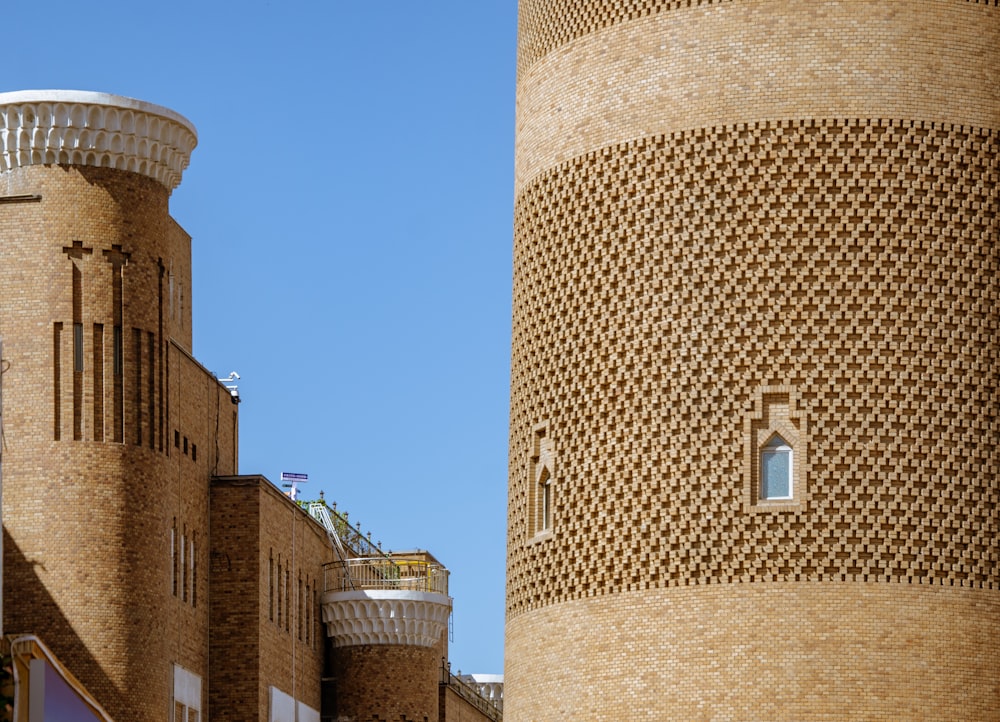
[(379, 616), (71, 127)]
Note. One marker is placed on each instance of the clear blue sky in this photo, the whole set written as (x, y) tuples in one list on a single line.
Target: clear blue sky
[(350, 202)]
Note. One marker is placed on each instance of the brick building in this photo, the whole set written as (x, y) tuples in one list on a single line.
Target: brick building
[(754, 423), (139, 568)]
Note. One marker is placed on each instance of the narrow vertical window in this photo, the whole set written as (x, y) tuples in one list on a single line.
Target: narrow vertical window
[(777, 451), (173, 558), (541, 492), (56, 377), (277, 591), (270, 585), (545, 482), (137, 362), (182, 581), (160, 427), (98, 356), (193, 575), (77, 377), (117, 371), (300, 605), (776, 469), (288, 609), (117, 259), (151, 387), (307, 606), (77, 351), (78, 348), (76, 253)]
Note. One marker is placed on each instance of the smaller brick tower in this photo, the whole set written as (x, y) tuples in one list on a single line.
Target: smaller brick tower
[(112, 429), (387, 621)]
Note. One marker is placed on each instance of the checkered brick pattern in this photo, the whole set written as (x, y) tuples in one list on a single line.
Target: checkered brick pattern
[(661, 282)]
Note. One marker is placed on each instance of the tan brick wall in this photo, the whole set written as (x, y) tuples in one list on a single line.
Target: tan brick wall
[(454, 708), (259, 640), (722, 206), (381, 682), (303, 548), (831, 651), (87, 518), (234, 673)]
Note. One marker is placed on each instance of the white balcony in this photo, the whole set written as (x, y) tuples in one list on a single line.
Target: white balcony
[(385, 601)]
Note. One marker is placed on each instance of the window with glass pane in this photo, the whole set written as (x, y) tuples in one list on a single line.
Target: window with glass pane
[(776, 470)]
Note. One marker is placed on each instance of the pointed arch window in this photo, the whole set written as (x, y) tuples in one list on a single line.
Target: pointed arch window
[(545, 497), (777, 459), (776, 469), (541, 492)]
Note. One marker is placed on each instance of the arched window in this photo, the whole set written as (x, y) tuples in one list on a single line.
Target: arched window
[(541, 490), (545, 498), (776, 469)]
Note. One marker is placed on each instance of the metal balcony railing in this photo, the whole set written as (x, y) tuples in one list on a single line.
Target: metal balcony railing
[(373, 573), (471, 694)]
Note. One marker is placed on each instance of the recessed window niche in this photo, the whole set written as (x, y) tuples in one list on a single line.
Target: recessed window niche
[(776, 457)]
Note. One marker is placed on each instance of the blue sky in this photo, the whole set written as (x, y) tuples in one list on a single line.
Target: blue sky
[(350, 203)]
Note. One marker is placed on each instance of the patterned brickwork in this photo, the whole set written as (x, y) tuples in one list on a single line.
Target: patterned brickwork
[(663, 282), (546, 25), (740, 223)]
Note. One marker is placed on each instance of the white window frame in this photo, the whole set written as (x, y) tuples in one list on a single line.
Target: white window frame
[(186, 702), (774, 446)]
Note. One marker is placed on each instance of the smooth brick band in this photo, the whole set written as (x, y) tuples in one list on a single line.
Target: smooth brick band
[(715, 64)]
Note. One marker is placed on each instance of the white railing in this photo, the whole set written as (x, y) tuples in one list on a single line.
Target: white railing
[(385, 573)]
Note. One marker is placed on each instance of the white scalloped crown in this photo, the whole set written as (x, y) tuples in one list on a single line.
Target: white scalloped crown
[(71, 127), (377, 616)]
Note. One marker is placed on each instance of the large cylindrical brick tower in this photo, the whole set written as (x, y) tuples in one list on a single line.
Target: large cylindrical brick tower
[(111, 429), (754, 407)]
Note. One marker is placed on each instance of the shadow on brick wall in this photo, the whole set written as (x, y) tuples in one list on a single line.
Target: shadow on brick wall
[(28, 609)]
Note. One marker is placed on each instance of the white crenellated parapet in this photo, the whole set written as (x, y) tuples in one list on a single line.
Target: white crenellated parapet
[(380, 616), (71, 127), (490, 686)]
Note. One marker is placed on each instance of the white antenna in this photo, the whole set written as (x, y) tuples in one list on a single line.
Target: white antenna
[(232, 388)]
